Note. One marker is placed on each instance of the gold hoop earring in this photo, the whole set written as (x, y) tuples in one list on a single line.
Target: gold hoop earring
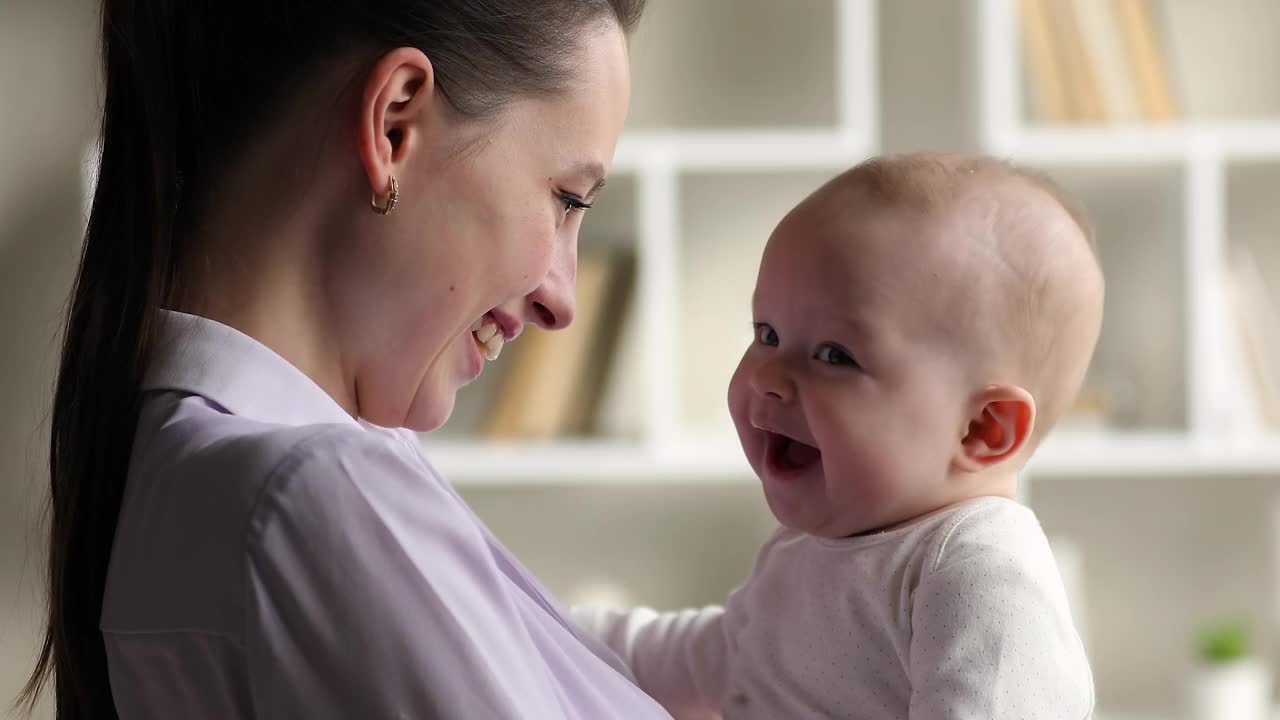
[(391, 199)]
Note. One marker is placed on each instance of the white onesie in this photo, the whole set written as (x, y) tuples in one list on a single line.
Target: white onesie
[(960, 615)]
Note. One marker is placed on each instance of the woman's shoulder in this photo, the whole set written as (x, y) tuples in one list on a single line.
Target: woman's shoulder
[(198, 471), (356, 491), (203, 485), (318, 479), (325, 471), (196, 459), (192, 447), (353, 515)]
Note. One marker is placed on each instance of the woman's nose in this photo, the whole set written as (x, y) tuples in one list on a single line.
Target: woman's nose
[(772, 382), (551, 305)]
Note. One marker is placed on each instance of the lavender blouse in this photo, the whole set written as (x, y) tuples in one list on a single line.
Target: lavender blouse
[(276, 558)]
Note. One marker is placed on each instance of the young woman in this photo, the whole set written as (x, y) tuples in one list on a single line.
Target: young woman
[(313, 224)]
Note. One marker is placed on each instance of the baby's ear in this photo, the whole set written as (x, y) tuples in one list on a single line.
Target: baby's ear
[(999, 427)]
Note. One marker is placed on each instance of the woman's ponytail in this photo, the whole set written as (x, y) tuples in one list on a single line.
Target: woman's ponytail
[(125, 274)]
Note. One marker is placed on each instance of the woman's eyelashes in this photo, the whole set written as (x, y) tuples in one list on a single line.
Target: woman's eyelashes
[(572, 202), (827, 353)]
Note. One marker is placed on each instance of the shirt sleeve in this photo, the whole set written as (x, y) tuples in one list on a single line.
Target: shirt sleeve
[(992, 637), (371, 594), (679, 658)]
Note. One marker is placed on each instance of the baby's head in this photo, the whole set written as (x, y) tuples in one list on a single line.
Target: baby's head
[(921, 322)]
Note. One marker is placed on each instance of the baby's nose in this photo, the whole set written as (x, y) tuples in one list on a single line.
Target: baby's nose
[(771, 381)]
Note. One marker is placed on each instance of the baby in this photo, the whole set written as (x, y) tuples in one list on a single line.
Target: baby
[(921, 322)]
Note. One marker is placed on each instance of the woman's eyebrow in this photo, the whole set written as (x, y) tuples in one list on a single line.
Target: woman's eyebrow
[(592, 172)]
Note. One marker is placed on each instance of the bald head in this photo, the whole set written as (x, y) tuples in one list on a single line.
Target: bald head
[(1012, 266)]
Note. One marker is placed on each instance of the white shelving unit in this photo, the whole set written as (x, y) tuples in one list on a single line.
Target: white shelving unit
[(1215, 436), (727, 131)]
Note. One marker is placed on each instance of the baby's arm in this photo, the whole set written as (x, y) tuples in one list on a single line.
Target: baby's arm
[(992, 637), (679, 658)]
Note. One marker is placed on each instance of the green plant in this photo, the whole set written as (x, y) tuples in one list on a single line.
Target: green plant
[(1222, 642)]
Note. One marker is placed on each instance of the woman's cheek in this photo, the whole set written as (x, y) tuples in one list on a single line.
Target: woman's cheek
[(535, 262)]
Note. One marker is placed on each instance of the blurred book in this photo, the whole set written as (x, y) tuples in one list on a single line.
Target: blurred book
[(1148, 56), (1045, 74), (1257, 324), (1106, 53), (621, 409), (1095, 62), (556, 379), (1079, 72)]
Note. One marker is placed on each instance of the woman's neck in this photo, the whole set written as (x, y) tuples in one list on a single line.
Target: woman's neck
[(257, 262)]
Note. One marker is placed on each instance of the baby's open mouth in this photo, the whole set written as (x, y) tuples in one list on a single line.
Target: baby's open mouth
[(789, 454)]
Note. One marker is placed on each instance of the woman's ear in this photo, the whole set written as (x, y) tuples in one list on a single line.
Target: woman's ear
[(999, 428), (396, 110)]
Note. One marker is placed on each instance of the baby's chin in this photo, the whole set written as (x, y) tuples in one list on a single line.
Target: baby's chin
[(834, 524), (813, 521)]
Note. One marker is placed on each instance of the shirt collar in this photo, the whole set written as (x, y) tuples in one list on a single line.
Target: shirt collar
[(203, 357)]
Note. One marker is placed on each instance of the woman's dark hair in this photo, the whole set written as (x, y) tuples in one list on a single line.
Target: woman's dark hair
[(185, 82)]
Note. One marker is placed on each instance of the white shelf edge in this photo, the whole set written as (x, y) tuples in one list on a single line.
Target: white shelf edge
[(733, 149), (1101, 145), (1110, 454), (1137, 143), (1148, 454), (1246, 142)]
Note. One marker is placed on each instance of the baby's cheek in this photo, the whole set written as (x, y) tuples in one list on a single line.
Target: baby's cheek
[(879, 485), (740, 415), (869, 475), (735, 396), (739, 394)]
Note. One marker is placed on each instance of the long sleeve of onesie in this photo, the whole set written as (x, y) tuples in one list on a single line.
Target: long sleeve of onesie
[(679, 658)]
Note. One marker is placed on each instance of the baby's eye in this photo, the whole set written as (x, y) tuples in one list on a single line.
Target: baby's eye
[(833, 355), (765, 334)]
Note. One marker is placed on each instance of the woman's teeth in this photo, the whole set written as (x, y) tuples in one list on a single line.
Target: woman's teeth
[(490, 340)]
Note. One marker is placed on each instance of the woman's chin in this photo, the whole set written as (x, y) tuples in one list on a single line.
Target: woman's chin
[(431, 407), (431, 419)]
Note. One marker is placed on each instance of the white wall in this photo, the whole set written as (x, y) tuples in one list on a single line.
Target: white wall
[(48, 97)]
